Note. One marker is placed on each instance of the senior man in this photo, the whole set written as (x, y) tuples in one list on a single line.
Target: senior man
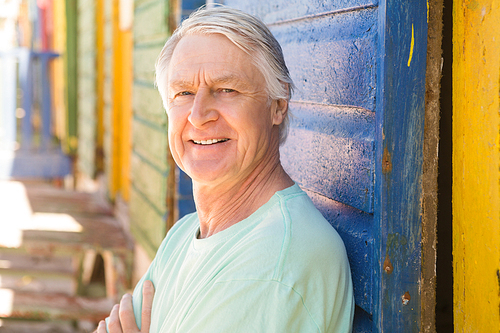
[(256, 256)]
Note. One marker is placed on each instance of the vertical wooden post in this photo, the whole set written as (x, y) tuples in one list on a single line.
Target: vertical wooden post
[(476, 162), (26, 85), (400, 118), (114, 176), (8, 95), (122, 106), (57, 69), (100, 77), (430, 165), (71, 74), (126, 106)]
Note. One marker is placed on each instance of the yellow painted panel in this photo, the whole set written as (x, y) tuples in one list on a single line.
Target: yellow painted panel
[(126, 114), (57, 68), (114, 177), (122, 107), (476, 163)]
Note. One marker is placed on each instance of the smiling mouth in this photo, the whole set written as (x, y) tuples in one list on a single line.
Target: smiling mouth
[(209, 141)]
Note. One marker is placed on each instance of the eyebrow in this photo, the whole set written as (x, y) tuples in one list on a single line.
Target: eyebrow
[(225, 78)]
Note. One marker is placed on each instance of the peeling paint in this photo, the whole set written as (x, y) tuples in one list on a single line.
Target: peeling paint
[(406, 298), (498, 277), (388, 268), (412, 45), (386, 161)]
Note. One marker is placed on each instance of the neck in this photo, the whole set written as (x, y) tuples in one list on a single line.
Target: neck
[(222, 206)]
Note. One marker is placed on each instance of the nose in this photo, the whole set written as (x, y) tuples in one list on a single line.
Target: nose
[(203, 109)]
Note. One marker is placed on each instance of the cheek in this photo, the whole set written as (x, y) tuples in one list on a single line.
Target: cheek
[(175, 122), (175, 136)]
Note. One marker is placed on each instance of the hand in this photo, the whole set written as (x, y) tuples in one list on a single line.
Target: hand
[(122, 318)]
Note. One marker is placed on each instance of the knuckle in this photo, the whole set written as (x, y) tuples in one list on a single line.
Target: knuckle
[(114, 324)]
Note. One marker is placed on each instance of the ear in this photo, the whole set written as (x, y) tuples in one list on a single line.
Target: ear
[(279, 110)]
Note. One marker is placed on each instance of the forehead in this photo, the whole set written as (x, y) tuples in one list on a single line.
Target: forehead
[(212, 55)]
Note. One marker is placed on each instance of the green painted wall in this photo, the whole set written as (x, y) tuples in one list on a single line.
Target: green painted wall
[(149, 166), (86, 92), (108, 90), (71, 144)]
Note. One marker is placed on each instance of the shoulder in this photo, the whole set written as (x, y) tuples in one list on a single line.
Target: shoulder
[(309, 231), (181, 232), (315, 265)]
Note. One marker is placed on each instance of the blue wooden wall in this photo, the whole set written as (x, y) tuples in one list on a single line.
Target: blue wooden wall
[(356, 139)]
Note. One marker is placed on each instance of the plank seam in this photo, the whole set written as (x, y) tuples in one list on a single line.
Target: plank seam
[(148, 201), (306, 189), (146, 84), (144, 159), (329, 13), (332, 105), (149, 123)]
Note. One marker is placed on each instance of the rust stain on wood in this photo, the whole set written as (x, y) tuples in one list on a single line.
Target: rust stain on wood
[(386, 161), (388, 268)]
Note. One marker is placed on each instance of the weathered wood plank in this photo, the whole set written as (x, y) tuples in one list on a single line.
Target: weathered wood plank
[(340, 52), (148, 223), (24, 305), (150, 141), (144, 69), (71, 74), (150, 21), (476, 166), (36, 281), (20, 262), (45, 198), (398, 168), (330, 150), (149, 179), (148, 106), (86, 100), (283, 10), (149, 171)]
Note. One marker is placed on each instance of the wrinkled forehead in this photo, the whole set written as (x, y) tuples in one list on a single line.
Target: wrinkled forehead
[(213, 55), (196, 42)]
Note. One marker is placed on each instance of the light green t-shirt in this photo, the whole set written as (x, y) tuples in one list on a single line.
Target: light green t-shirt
[(283, 269)]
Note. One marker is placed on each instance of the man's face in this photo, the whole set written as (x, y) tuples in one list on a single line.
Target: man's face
[(221, 122)]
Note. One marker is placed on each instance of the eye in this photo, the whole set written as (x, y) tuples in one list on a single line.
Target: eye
[(183, 93), (227, 90)]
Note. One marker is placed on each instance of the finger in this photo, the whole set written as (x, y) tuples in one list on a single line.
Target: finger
[(101, 328), (148, 291), (114, 324), (127, 317)]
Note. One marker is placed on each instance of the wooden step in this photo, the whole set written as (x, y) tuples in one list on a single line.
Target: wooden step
[(36, 282), (31, 326), (22, 271), (52, 306), (19, 261), (49, 243)]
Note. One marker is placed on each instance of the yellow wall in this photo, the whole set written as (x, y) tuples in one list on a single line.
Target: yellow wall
[(476, 162), (122, 106), (57, 68)]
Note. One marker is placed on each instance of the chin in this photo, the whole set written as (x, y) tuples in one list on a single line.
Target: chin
[(206, 175)]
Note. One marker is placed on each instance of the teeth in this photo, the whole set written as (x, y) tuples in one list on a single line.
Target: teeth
[(209, 141)]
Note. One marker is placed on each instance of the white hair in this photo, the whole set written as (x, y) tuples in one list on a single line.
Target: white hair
[(249, 34)]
